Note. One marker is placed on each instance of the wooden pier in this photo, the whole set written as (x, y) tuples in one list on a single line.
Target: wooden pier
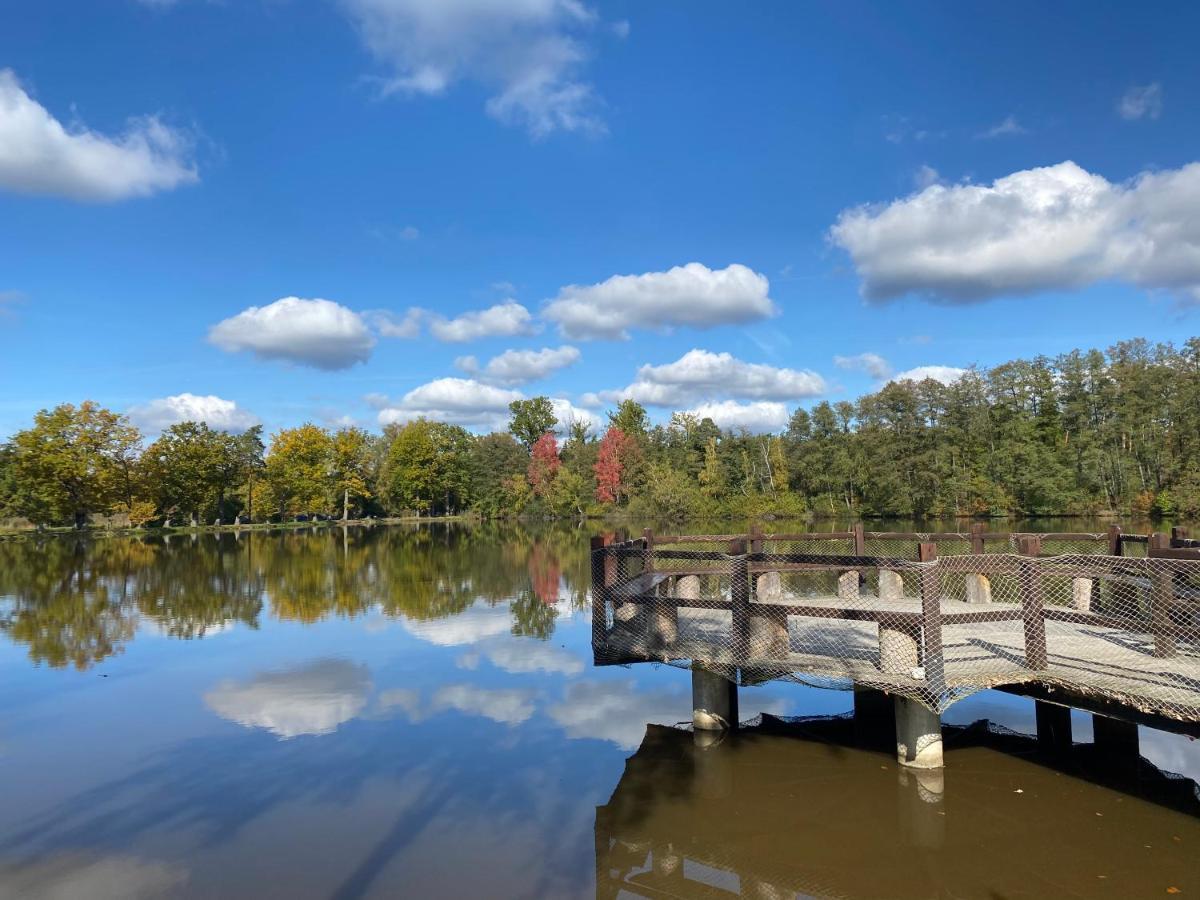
[(1112, 619)]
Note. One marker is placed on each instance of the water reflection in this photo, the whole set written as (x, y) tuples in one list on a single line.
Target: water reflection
[(77, 603), (800, 809), (413, 712), (312, 699)]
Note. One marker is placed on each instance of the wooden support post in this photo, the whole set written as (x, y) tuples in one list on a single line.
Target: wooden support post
[(739, 596), (1162, 594), (931, 617), (874, 719), (1053, 727), (1178, 536), (1114, 540), (1034, 621)]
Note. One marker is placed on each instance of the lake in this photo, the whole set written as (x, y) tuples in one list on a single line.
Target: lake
[(413, 711)]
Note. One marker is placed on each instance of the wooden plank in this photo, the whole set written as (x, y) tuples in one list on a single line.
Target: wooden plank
[(811, 536), (1165, 552)]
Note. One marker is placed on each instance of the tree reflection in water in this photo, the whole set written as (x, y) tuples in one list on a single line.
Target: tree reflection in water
[(76, 602)]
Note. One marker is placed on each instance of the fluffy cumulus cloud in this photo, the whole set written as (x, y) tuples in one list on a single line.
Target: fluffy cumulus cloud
[(39, 155), (691, 295), (1144, 101), (528, 52), (702, 374), (459, 401), (312, 699), (317, 333), (224, 415), (871, 363), (1052, 228), (567, 413), (513, 367), (761, 417), (467, 402), (502, 320), (944, 374)]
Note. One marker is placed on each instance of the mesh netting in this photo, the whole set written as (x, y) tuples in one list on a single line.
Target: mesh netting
[(1122, 628)]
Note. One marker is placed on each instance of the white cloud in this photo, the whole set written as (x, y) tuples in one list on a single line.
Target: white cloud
[(523, 655), (1052, 228), (502, 320), (458, 401), (67, 874), (318, 333), (528, 51), (38, 155), (472, 625), (616, 711), (466, 402), (871, 363), (224, 415), (702, 374), (692, 295), (761, 417), (390, 325), (311, 699), (944, 374), (1010, 125), (506, 706), (513, 367), (566, 413), (1141, 102), (925, 176)]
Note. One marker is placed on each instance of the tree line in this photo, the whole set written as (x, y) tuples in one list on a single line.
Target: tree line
[(1082, 433)]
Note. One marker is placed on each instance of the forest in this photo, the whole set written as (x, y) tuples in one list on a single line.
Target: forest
[(1086, 432)]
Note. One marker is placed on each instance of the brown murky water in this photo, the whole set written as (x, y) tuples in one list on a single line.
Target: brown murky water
[(413, 712)]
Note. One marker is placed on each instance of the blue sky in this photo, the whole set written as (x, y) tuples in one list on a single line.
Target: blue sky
[(791, 184)]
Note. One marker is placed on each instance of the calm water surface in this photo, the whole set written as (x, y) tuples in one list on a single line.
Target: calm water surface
[(414, 712)]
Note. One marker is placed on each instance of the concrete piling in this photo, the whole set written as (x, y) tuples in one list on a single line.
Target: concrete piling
[(918, 735), (714, 701)]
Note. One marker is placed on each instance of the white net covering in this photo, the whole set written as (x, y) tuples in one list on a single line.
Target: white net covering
[(928, 617)]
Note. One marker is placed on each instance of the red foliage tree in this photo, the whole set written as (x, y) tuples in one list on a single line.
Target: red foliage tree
[(610, 466), (543, 463)]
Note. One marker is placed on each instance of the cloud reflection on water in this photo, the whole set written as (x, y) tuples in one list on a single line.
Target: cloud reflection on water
[(312, 699)]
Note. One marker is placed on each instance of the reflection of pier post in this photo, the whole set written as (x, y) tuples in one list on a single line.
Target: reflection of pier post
[(1117, 741), (922, 812), (1053, 727)]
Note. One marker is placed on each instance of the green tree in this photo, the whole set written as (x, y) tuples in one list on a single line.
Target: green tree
[(530, 419), (299, 469), (352, 464), (74, 461)]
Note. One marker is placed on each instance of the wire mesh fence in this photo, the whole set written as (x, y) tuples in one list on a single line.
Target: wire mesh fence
[(934, 624)]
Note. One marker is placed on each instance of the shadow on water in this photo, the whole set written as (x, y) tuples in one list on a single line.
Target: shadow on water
[(802, 805)]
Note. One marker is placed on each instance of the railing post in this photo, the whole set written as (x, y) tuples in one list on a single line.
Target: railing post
[(1031, 602), (931, 617), (1114, 540), (976, 538), (602, 572), (1178, 536), (850, 582), (1162, 592), (739, 595)]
